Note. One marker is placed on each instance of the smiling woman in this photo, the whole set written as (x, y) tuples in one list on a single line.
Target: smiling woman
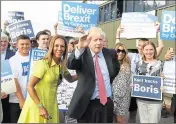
[(41, 104)]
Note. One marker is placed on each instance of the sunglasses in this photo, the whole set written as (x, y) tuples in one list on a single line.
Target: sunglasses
[(3, 41), (122, 51)]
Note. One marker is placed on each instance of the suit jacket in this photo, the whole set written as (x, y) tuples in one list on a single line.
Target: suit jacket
[(84, 67), (9, 53)]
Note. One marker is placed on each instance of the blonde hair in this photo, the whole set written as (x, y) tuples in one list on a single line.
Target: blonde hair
[(95, 30), (49, 55), (149, 43), (126, 61)]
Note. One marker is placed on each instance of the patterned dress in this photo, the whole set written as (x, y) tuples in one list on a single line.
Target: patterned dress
[(121, 91), (154, 68), (149, 69)]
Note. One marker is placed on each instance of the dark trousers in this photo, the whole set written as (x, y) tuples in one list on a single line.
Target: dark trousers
[(173, 106), (98, 113), (14, 112), (6, 110), (132, 110)]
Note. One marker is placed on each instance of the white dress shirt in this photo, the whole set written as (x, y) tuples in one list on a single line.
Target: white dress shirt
[(3, 54)]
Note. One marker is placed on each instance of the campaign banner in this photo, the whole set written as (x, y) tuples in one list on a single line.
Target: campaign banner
[(7, 80), (15, 16), (147, 87), (64, 95), (74, 14), (167, 27), (138, 25), (19, 28), (35, 54), (169, 83)]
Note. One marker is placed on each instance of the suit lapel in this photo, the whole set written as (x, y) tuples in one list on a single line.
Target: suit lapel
[(7, 54), (90, 62), (108, 59)]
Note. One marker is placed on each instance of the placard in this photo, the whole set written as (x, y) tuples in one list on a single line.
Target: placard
[(15, 16), (74, 14), (21, 28), (147, 87), (138, 25), (169, 74), (7, 79), (167, 27)]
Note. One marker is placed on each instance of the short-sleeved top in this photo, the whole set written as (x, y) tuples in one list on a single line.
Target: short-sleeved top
[(49, 78), (20, 68), (46, 91)]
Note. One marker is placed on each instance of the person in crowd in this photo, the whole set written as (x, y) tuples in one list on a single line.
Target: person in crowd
[(34, 43), (48, 32), (91, 101), (105, 42), (121, 85), (4, 29), (134, 58), (13, 46), (3, 96), (43, 40), (6, 53), (149, 110), (41, 103), (70, 46), (170, 56), (20, 66)]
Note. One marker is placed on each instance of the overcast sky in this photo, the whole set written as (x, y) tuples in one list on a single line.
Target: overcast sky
[(43, 14)]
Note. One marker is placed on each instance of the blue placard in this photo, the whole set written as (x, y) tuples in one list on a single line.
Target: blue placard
[(5, 68), (15, 16), (19, 28), (7, 79), (167, 28), (35, 54), (79, 14), (147, 87)]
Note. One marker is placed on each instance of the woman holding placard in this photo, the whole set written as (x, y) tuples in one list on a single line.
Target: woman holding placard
[(149, 109), (134, 58)]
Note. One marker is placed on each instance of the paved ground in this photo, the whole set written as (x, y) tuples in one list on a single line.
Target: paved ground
[(168, 120)]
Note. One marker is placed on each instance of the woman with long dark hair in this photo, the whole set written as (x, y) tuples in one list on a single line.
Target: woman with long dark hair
[(41, 103)]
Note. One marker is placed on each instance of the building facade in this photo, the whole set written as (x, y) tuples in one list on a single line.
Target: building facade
[(110, 15)]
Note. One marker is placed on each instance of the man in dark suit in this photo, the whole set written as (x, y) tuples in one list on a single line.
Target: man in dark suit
[(96, 68), (5, 54)]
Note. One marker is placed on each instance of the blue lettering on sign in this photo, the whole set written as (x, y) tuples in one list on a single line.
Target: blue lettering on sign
[(147, 87), (25, 67), (79, 14), (167, 31)]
